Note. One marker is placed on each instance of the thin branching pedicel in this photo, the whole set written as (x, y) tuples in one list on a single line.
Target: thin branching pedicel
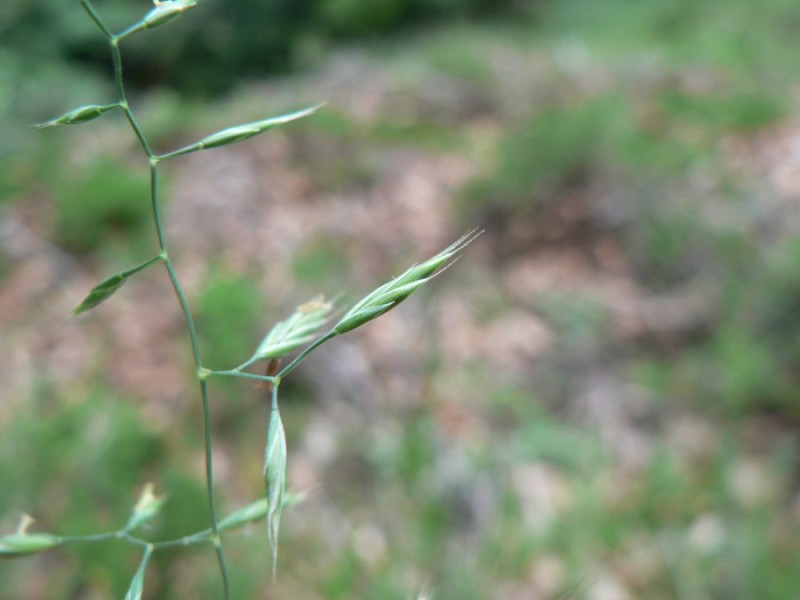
[(301, 330)]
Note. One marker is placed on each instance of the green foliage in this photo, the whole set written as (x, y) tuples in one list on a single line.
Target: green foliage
[(73, 486), (563, 147), (749, 39), (715, 114), (124, 450), (669, 243), (745, 364), (229, 313), (241, 39), (320, 263), (650, 138), (556, 148), (754, 351), (351, 17), (105, 200), (578, 320)]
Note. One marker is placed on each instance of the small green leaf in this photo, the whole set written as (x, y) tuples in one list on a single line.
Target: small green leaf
[(80, 115), (275, 477), (109, 287), (137, 583), (242, 132), (296, 331), (19, 544)]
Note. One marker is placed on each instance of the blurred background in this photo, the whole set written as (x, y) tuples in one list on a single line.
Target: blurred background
[(599, 401)]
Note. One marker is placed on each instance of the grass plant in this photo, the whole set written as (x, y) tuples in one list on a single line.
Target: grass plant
[(299, 332)]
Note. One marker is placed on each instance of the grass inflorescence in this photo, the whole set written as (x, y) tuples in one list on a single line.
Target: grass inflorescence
[(300, 331)]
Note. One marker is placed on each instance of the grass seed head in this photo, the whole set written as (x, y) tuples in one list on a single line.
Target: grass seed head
[(296, 331), (392, 293), (20, 544), (275, 479), (164, 12), (147, 507)]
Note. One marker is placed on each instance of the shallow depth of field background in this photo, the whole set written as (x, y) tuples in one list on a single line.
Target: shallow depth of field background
[(600, 400)]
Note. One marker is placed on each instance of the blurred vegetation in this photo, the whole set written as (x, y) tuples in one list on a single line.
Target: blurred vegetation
[(640, 102), (228, 314), (100, 203), (239, 40)]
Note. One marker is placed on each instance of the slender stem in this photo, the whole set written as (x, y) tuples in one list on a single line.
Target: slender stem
[(200, 537), (116, 56), (188, 316), (198, 363), (162, 244), (131, 539), (130, 30), (138, 131), (148, 550), (243, 374), (118, 78), (188, 540), (123, 100), (301, 357), (150, 262), (247, 363), (89, 539), (96, 18), (275, 396), (212, 505), (181, 151), (122, 534)]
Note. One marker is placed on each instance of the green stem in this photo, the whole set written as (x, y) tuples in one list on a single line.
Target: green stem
[(89, 539), (302, 356), (123, 100), (212, 505), (189, 540), (130, 30), (275, 396), (162, 244), (118, 78), (124, 535), (199, 537), (138, 131), (252, 360), (116, 57), (243, 374), (96, 18), (181, 151)]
